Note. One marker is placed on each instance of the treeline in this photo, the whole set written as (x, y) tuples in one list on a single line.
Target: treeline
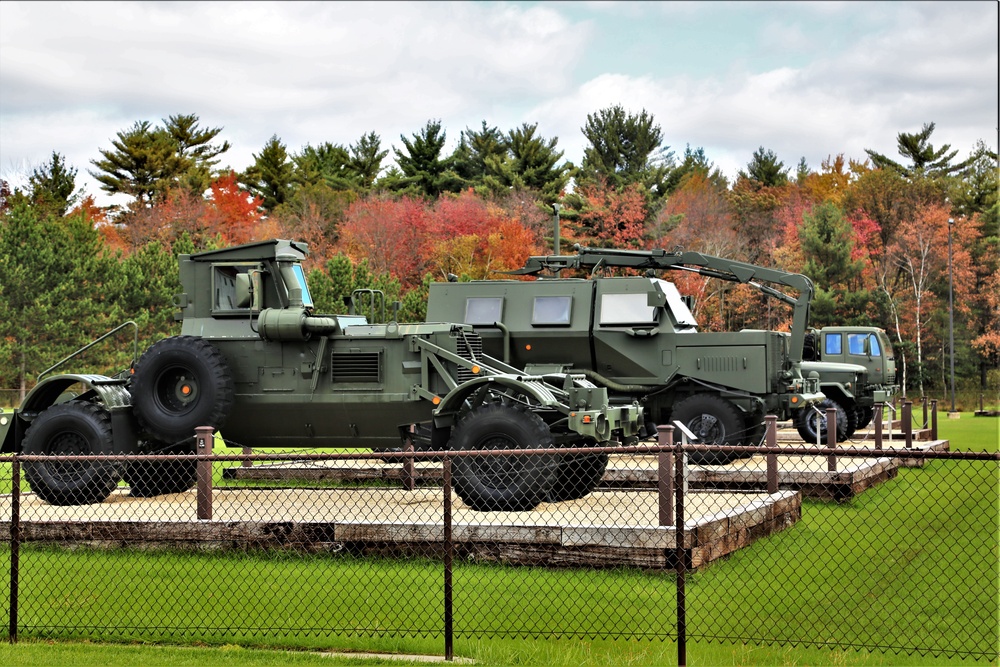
[(877, 235)]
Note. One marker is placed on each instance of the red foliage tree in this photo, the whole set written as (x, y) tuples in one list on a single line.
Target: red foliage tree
[(389, 233)]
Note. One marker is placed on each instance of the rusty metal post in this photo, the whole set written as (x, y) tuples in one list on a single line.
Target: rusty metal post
[(204, 435), (681, 553), (907, 419), (831, 438), (409, 472), (877, 418), (246, 463), (15, 544), (449, 551), (665, 475), (771, 438), (934, 430)]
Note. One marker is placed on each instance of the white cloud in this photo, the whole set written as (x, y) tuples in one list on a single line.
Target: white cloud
[(74, 74)]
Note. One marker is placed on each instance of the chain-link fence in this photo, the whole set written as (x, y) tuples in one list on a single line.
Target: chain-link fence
[(886, 542)]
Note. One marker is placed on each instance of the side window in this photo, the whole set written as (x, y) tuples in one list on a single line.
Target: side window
[(874, 346), (483, 310), (620, 309), (833, 344), (551, 311), (224, 288), (856, 343)]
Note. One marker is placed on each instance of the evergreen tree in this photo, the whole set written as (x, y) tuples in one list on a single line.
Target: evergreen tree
[(533, 164), (329, 164), (765, 169), (366, 159), (147, 161), (142, 164), (52, 186), (270, 177), (626, 148), (424, 171), (828, 246), (924, 159), (475, 149)]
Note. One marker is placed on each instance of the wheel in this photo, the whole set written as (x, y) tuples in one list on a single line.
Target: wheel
[(865, 415), (181, 383), (577, 475), (807, 422), (851, 417), (503, 483), (68, 429), (156, 478), (715, 421)]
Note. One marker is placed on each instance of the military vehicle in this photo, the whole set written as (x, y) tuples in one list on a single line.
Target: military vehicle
[(838, 355), (253, 358), (636, 336)]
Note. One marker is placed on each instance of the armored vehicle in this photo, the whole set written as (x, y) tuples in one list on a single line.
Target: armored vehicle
[(255, 360), (636, 336), (840, 356)]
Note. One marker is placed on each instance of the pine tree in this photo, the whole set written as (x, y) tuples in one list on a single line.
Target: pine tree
[(52, 186), (924, 159), (626, 148), (366, 159), (142, 164), (765, 169), (424, 171), (270, 177)]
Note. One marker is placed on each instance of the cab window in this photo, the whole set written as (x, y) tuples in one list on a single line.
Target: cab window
[(874, 346), (224, 287), (551, 311), (856, 343), (483, 310), (833, 344), (620, 309)]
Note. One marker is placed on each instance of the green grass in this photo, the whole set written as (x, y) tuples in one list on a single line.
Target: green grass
[(911, 562)]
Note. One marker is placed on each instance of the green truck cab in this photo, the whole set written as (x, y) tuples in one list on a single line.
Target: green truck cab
[(254, 359), (857, 370)]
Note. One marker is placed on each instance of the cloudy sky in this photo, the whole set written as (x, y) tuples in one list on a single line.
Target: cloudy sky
[(808, 79)]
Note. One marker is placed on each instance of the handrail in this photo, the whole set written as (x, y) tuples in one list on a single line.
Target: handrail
[(135, 347)]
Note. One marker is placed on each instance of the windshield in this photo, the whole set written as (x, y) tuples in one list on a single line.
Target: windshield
[(679, 310), (300, 276)]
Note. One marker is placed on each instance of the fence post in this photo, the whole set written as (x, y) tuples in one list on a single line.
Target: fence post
[(665, 475), (449, 640), (204, 435), (409, 472), (246, 463), (907, 419), (831, 438), (771, 438), (934, 431), (15, 543), (923, 400), (877, 418), (680, 477)]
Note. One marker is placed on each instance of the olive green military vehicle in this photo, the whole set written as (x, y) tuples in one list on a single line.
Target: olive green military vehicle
[(255, 360), (636, 336), (856, 366)]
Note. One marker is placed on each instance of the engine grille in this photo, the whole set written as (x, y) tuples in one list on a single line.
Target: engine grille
[(356, 366), (470, 347)]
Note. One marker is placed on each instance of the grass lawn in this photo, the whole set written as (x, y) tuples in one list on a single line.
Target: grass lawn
[(911, 562)]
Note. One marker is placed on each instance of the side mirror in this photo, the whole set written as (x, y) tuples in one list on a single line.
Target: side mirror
[(248, 290), (656, 299)]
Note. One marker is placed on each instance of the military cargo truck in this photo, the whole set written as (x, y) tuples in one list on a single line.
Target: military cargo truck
[(636, 336), (857, 369), (253, 358)]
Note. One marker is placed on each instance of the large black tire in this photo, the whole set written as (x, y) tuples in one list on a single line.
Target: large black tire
[(807, 422), (181, 383), (73, 428), (157, 478), (577, 475), (503, 483), (865, 415), (715, 421)]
